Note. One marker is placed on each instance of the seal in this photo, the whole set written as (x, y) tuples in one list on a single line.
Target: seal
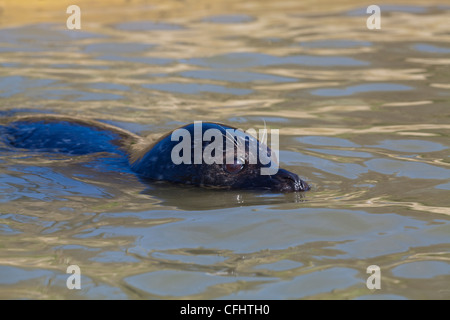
[(152, 159)]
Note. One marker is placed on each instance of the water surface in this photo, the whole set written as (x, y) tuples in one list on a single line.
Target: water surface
[(363, 117)]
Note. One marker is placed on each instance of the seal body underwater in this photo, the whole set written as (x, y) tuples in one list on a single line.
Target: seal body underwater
[(154, 160)]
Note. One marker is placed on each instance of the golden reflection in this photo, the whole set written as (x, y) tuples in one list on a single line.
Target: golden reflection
[(296, 86), (440, 85), (358, 199), (406, 103), (432, 61), (380, 202), (379, 129), (417, 134), (369, 74)]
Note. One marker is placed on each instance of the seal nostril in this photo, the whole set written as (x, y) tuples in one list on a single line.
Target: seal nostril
[(291, 181), (304, 186)]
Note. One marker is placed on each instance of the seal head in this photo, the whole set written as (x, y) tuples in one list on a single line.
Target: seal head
[(202, 160)]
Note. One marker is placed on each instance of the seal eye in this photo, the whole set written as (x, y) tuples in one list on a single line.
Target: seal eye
[(235, 167)]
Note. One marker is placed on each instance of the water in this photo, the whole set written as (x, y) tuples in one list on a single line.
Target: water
[(363, 117)]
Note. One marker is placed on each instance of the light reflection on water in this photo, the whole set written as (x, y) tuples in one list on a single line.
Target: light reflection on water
[(362, 117)]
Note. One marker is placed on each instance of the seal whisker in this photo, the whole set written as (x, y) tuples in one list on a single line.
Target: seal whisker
[(227, 137), (264, 133)]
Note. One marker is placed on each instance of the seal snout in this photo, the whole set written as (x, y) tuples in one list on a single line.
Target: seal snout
[(288, 181)]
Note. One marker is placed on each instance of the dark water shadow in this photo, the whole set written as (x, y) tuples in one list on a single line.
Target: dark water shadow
[(186, 197)]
